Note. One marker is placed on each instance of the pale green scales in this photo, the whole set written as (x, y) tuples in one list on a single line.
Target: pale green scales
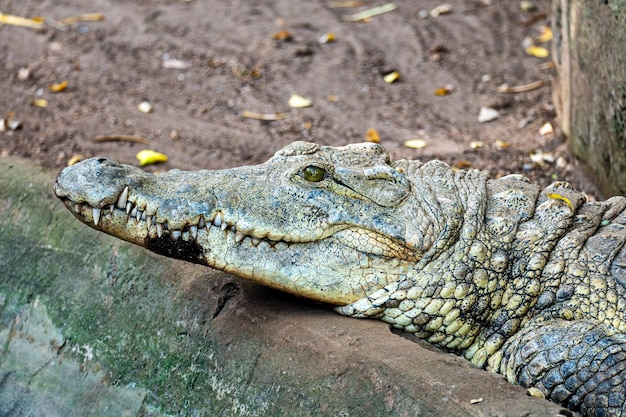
[(523, 281)]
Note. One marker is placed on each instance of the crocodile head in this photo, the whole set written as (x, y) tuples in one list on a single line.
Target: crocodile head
[(324, 223)]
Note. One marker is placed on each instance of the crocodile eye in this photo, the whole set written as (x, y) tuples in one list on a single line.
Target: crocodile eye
[(313, 173)]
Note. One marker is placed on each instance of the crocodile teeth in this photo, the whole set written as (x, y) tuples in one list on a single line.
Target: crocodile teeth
[(193, 231), (255, 241), (148, 221), (159, 227), (218, 219), (201, 223), (96, 215), (239, 237), (123, 199), (129, 206), (77, 207), (138, 215), (175, 234)]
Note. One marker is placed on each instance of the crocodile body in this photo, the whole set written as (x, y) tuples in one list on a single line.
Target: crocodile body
[(523, 281)]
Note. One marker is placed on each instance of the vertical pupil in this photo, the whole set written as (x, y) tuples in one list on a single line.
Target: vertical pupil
[(313, 173)]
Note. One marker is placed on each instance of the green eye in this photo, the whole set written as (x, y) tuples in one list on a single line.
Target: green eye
[(313, 173)]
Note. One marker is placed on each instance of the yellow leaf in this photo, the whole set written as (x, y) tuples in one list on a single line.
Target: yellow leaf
[(327, 37), (545, 36), (391, 77), (556, 196), (415, 143), (537, 51), (56, 88), (372, 135), (148, 157), (440, 92), (40, 102)]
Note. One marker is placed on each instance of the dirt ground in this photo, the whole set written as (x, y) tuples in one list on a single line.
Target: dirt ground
[(232, 62), (236, 56)]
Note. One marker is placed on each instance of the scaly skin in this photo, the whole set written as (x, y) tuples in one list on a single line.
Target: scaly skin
[(526, 282)]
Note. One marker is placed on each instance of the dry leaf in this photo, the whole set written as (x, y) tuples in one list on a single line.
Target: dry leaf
[(366, 14), (75, 159), (261, 116), (476, 400), (298, 102), (476, 144), (391, 77), (88, 17), (120, 138), (8, 124), (415, 143), (527, 6), (345, 4), (443, 91), (8, 19), (501, 144), (441, 9), (504, 88), (332, 98), (372, 135), (283, 35), (535, 392), (57, 88), (148, 157)]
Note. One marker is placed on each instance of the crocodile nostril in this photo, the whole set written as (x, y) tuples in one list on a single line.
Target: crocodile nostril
[(101, 160)]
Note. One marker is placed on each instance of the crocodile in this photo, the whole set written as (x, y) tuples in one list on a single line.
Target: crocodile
[(522, 281)]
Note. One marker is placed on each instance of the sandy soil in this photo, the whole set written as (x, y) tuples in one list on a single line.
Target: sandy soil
[(232, 63)]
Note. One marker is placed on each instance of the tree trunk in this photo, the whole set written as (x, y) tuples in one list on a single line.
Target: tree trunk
[(589, 51)]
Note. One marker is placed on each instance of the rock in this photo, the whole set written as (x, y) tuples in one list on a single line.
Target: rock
[(487, 114)]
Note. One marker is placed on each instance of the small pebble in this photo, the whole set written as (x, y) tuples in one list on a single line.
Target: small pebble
[(145, 107), (487, 114)]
